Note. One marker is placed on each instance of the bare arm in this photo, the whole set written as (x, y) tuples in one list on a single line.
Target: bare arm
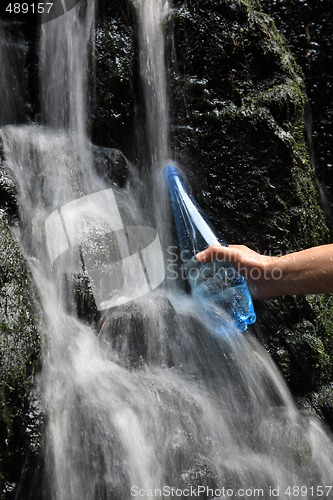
[(307, 271)]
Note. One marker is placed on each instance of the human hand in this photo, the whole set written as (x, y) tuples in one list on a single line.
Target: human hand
[(260, 271)]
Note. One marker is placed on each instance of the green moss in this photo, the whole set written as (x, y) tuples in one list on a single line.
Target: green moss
[(322, 307), (252, 4), (273, 43), (300, 340), (282, 357)]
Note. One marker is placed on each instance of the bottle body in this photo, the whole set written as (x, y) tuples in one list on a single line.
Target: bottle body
[(216, 281)]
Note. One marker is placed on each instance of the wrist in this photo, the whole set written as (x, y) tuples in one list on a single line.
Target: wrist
[(273, 279), (282, 278)]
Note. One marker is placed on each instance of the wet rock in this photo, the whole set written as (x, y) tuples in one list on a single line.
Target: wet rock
[(20, 415), (111, 165), (140, 331), (8, 196), (243, 133), (324, 403), (308, 26), (297, 333), (200, 475)]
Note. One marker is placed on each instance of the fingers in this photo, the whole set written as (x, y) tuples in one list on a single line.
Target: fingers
[(217, 251)]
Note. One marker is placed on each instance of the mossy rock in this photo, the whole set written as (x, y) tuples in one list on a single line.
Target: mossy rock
[(308, 31), (7, 192), (240, 127), (20, 416)]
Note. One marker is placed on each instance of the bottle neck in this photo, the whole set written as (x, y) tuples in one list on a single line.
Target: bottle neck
[(194, 233)]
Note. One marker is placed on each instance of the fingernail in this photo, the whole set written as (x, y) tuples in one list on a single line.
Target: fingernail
[(199, 255)]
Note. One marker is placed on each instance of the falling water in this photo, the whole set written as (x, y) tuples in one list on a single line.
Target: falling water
[(151, 16), (12, 58), (64, 57), (150, 397)]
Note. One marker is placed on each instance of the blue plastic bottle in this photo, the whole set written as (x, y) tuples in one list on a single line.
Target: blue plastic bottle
[(216, 281)]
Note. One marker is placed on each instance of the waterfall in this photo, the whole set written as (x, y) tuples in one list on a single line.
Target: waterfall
[(149, 399), (12, 61), (64, 59), (151, 16)]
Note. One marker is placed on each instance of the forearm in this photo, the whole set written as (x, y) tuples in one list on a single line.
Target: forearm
[(304, 272)]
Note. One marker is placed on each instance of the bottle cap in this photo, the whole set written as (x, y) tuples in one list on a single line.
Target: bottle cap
[(171, 171)]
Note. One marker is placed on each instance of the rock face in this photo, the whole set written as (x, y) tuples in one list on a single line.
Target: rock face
[(308, 26), (19, 355)]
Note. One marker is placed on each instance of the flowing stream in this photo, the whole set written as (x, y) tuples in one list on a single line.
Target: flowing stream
[(151, 14), (151, 397)]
